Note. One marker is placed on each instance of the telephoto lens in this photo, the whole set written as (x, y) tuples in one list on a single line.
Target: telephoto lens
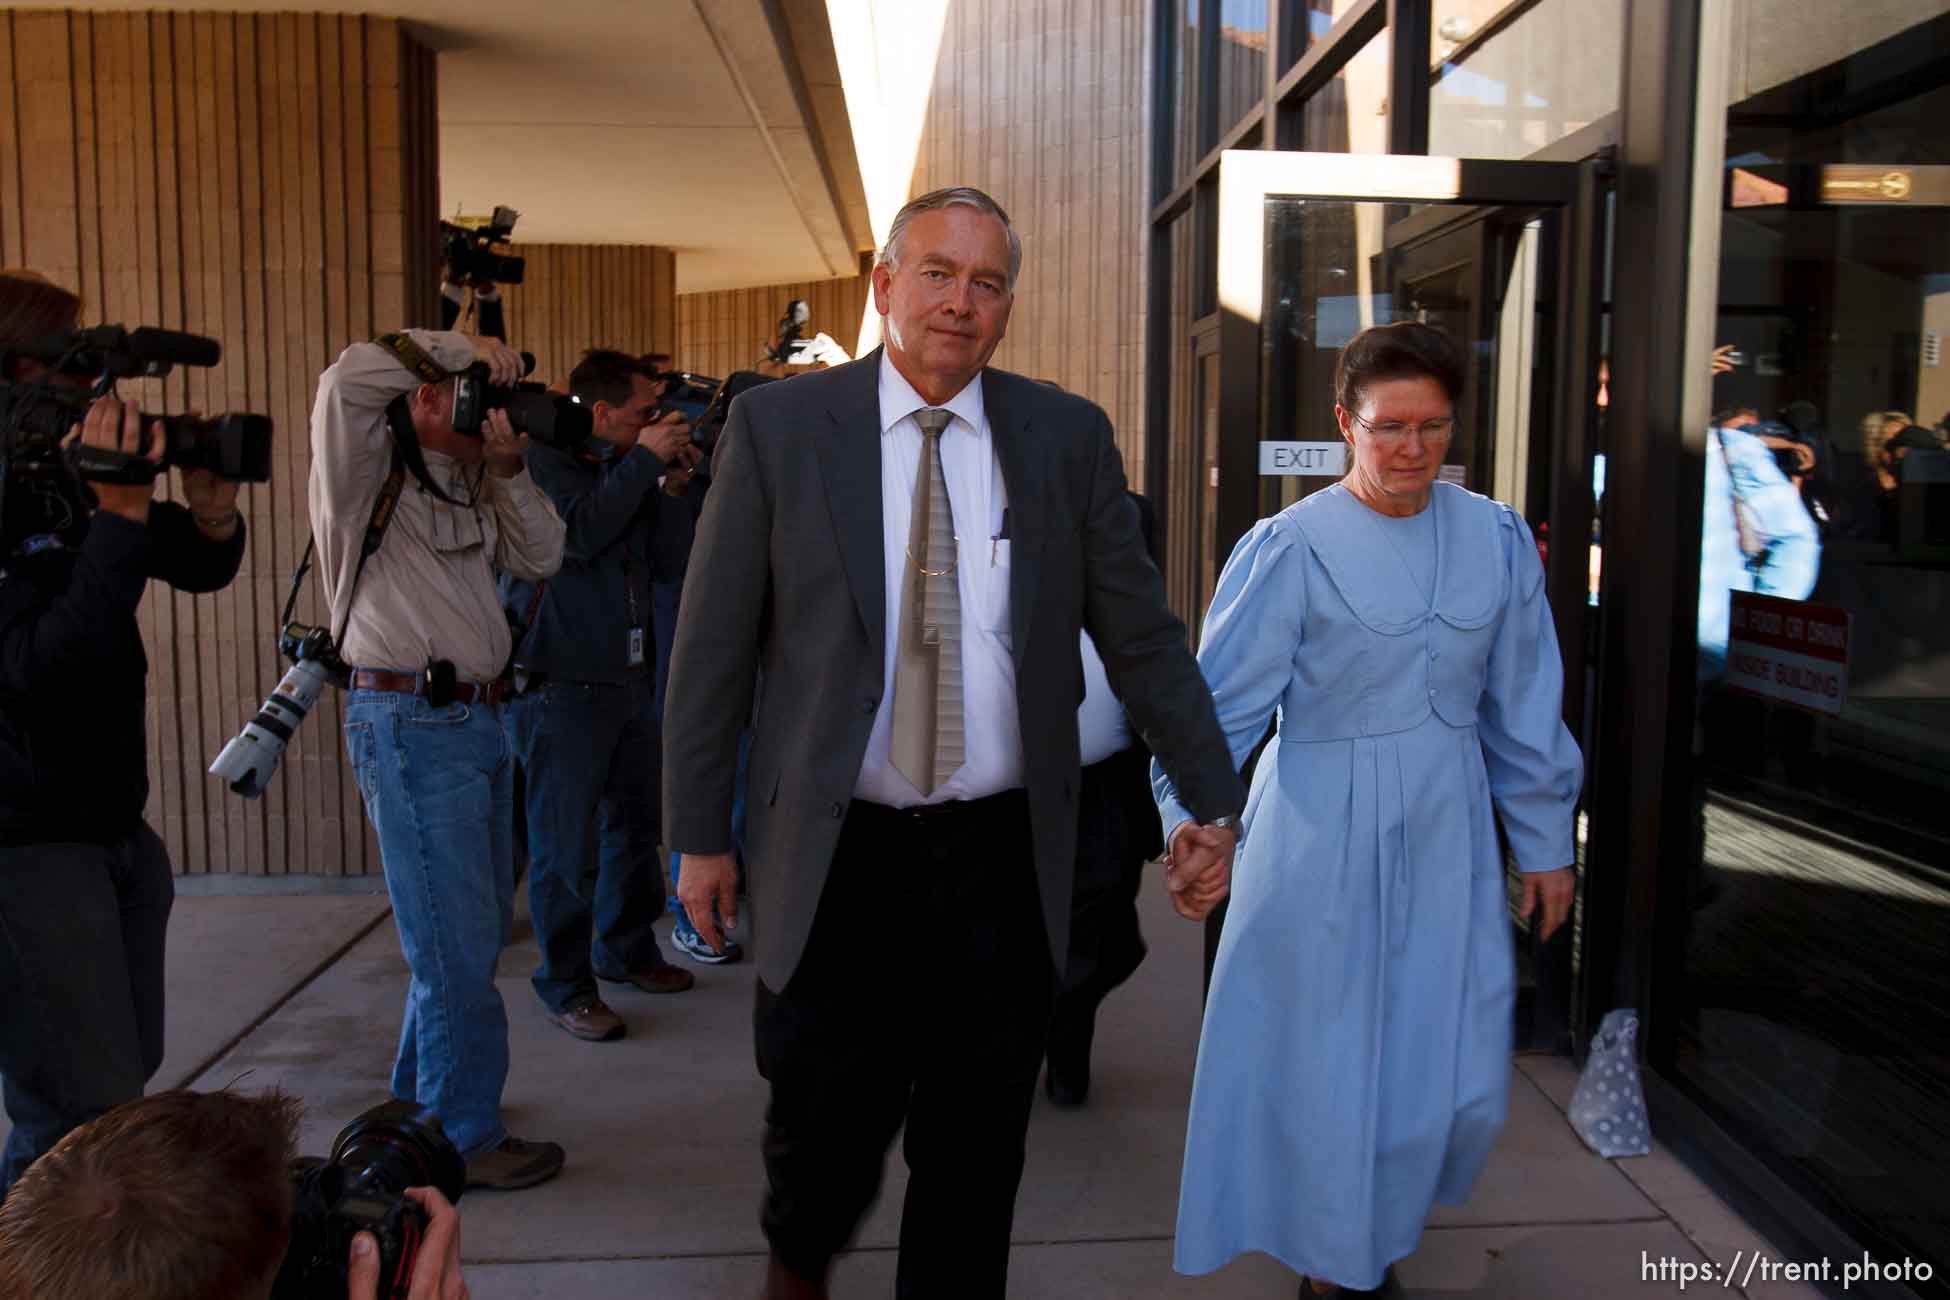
[(361, 1187)]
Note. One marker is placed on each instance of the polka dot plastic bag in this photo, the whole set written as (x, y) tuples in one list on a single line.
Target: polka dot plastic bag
[(1608, 1108)]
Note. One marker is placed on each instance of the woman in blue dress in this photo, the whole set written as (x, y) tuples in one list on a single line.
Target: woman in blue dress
[(1355, 1062)]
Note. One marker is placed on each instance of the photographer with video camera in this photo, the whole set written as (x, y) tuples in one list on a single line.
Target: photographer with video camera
[(85, 884), (585, 723), (201, 1195), (419, 494)]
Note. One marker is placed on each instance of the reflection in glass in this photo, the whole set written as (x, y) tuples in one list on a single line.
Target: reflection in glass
[(1242, 59), (1813, 1005), (1189, 148), (1508, 79), (1350, 113)]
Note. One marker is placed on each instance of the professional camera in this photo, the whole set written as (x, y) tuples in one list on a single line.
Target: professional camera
[(470, 252), (546, 417), (248, 761), (361, 1187), (686, 392), (706, 428), (35, 418), (790, 347)]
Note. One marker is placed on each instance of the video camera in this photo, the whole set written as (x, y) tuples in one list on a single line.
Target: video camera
[(561, 422), (790, 347), (35, 417), (361, 1187), (471, 255)]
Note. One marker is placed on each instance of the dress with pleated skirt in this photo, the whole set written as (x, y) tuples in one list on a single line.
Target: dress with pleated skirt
[(1354, 1065)]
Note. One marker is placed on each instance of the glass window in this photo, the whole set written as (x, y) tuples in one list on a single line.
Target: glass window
[(1506, 79), (1185, 110), (1242, 59), (1350, 113), (1811, 998)]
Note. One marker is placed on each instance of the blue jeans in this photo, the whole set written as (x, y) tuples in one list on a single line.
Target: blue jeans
[(739, 781), (439, 789), (590, 755)]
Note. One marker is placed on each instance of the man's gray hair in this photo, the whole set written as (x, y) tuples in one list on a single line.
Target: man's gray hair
[(955, 196)]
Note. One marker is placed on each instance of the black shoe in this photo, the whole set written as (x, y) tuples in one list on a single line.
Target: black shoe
[(1067, 1089)]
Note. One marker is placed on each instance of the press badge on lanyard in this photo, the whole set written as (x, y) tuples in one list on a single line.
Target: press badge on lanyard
[(636, 623)]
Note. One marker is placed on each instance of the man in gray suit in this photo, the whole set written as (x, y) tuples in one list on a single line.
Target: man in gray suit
[(898, 554)]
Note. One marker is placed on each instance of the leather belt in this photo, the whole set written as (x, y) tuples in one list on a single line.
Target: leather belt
[(378, 679), (949, 812)]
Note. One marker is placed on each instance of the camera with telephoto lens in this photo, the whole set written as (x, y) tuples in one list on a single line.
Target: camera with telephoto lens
[(471, 255), (361, 1187), (546, 417), (248, 762)]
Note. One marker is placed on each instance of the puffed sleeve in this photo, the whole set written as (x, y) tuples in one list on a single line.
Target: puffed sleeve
[(1246, 652), (1534, 766)]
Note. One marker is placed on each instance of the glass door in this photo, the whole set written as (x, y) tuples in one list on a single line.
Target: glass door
[(1314, 248)]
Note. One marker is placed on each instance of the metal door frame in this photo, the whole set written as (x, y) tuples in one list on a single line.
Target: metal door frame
[(1248, 178)]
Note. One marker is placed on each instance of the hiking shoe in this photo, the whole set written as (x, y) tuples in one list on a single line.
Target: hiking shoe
[(592, 1021), (515, 1164), (661, 978), (689, 942)]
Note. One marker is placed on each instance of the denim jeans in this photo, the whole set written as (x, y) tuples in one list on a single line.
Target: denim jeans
[(739, 780), (590, 756), (81, 980), (439, 788)]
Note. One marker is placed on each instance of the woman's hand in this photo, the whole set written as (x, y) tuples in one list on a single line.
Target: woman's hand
[(1554, 890)]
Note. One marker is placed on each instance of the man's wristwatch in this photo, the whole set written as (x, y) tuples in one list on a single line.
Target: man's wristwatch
[(1226, 824)]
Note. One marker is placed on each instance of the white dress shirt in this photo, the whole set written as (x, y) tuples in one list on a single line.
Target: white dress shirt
[(992, 759), (1102, 728)]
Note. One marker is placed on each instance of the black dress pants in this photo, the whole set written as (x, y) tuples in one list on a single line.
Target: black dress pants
[(81, 981), (1114, 838), (923, 996)]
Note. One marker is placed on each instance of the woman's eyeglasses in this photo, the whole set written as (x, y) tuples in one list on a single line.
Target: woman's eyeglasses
[(1394, 432)]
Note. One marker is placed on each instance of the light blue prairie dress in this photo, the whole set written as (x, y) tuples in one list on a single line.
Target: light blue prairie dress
[(1355, 1061)]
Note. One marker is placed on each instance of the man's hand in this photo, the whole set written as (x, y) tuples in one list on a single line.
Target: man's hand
[(827, 352), (503, 362), (1554, 890), (705, 879), (678, 474), (1198, 868), (505, 447), (1723, 362), (112, 426), (436, 1269), (666, 437)]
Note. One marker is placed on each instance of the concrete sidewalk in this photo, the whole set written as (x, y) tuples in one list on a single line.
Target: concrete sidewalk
[(660, 1195)]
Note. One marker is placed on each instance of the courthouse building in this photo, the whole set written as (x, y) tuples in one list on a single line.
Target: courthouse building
[(1595, 196)]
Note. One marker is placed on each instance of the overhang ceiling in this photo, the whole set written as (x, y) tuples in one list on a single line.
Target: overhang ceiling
[(712, 127)]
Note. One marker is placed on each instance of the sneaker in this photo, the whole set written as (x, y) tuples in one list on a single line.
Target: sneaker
[(689, 942), (515, 1164), (592, 1021)]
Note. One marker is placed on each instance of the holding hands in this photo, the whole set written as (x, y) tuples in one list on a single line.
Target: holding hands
[(1198, 867)]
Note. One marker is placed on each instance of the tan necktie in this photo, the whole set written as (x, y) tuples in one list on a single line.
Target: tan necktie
[(928, 742)]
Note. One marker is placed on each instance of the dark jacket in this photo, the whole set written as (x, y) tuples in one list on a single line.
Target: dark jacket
[(790, 559), (74, 753), (616, 516)]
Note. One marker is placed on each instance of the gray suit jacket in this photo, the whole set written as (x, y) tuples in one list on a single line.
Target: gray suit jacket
[(787, 585)]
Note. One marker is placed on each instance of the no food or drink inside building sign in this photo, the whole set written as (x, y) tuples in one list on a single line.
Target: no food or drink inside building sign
[(1789, 651)]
